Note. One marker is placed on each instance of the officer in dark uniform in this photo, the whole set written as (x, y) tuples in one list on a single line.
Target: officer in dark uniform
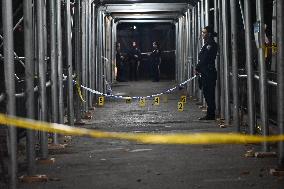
[(120, 64), (156, 61), (207, 71), (134, 61)]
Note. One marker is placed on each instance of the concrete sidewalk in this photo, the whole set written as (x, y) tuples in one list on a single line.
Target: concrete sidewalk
[(116, 164)]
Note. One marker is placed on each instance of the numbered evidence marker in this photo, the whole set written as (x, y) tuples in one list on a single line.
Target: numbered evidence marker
[(101, 100), (142, 102), (180, 106), (157, 101), (183, 99), (128, 100)]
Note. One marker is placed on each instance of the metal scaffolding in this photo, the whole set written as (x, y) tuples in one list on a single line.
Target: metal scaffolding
[(9, 71), (79, 48), (280, 77)]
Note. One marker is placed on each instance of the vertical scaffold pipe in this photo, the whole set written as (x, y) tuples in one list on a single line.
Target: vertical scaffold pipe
[(176, 58), (83, 64), (99, 49), (274, 35), (190, 54), (96, 8), (70, 65), (178, 49), (59, 60), (185, 47), (44, 22), (77, 56), (54, 65), (93, 60), (114, 41), (263, 76), (182, 43), (42, 76), (199, 27), (250, 83), (29, 77), (280, 77), (203, 22), (103, 42), (186, 58), (217, 62), (199, 43), (221, 67), (9, 72), (226, 72), (202, 15), (234, 39), (194, 49), (107, 49), (206, 12), (89, 51), (181, 49), (96, 47)]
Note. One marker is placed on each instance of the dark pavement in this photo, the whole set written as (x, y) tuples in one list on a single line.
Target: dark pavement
[(117, 164)]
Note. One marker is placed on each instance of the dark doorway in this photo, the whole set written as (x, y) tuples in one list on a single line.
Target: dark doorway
[(144, 34)]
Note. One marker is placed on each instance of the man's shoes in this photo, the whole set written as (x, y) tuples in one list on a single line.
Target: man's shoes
[(207, 118)]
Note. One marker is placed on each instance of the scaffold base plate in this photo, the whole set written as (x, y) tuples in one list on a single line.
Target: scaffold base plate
[(33, 178), (79, 123), (56, 146), (277, 172), (265, 154), (88, 115), (46, 161)]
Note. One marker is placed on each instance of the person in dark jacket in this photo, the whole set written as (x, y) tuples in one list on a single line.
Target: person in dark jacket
[(206, 69), (134, 56), (156, 61), (120, 64)]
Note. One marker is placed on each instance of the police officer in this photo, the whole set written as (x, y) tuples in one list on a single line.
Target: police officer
[(156, 61), (206, 69), (120, 64), (134, 61)]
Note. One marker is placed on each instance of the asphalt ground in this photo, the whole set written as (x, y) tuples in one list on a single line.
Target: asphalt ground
[(88, 163)]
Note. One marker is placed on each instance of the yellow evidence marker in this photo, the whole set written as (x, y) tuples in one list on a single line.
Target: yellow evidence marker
[(157, 101), (142, 102), (101, 100), (183, 99), (180, 106), (128, 100)]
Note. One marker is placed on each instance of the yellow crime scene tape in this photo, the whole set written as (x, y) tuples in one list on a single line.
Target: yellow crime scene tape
[(79, 91), (174, 138), (267, 47)]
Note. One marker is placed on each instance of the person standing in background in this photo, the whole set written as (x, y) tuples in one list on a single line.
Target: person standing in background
[(120, 64), (156, 61), (134, 61)]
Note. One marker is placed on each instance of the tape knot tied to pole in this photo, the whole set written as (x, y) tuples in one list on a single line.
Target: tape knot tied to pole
[(79, 90)]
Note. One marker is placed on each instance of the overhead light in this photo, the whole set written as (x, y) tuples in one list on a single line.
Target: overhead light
[(134, 27)]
